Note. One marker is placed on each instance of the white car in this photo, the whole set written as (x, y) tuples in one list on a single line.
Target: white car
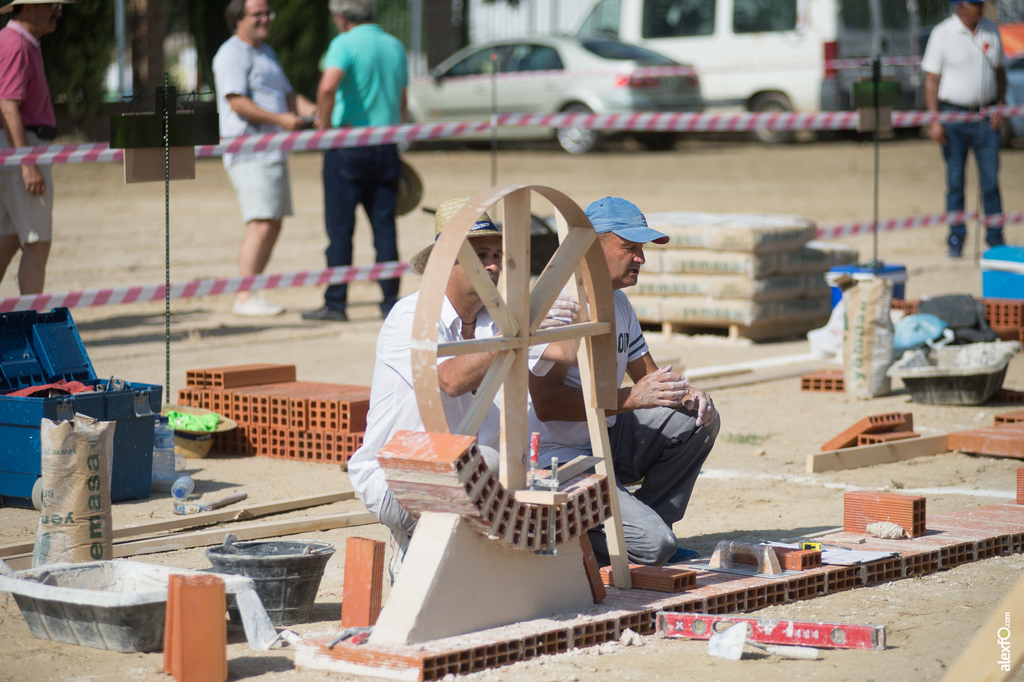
[(544, 75)]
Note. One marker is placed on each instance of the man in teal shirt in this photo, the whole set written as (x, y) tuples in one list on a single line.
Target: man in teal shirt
[(363, 84)]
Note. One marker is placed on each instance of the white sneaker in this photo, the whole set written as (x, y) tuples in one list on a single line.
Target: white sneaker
[(256, 306)]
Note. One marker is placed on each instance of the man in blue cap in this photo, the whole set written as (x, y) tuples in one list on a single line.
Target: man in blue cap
[(663, 428), (963, 72)]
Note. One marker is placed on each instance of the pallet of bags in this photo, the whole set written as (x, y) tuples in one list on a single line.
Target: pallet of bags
[(754, 275)]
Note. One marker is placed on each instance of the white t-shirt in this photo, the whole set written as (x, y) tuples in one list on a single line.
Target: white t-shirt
[(567, 440), (965, 62), (241, 69), (393, 405)]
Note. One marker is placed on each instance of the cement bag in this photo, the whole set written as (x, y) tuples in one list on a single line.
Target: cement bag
[(75, 523), (868, 339)]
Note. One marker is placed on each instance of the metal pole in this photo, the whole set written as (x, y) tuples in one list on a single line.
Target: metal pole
[(416, 34), (167, 239), (494, 119), (876, 76), (121, 37)]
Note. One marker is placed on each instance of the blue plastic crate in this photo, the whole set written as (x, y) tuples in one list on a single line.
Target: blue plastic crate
[(1002, 272), (40, 348), (897, 274)]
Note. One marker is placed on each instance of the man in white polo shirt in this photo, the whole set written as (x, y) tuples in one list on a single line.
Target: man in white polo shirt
[(963, 72)]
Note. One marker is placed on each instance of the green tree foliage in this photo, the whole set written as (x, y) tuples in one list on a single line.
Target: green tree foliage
[(76, 56)]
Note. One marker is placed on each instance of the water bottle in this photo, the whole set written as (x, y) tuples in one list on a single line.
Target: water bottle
[(182, 488), (163, 455)]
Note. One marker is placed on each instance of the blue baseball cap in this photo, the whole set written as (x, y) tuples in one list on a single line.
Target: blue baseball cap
[(622, 218), (972, 2)]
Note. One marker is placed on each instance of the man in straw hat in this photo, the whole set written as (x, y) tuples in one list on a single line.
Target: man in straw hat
[(663, 429), (392, 395), (26, 193)]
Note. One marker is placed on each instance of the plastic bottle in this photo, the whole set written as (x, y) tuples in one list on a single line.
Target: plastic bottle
[(163, 455), (182, 488)]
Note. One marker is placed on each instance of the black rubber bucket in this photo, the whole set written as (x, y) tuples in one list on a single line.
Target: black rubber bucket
[(287, 574)]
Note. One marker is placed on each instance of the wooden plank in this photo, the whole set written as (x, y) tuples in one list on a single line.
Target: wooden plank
[(205, 519), (576, 467), (484, 398), (215, 536), (882, 453), (989, 656), (548, 497)]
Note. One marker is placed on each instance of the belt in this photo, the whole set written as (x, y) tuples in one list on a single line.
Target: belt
[(43, 132), (974, 109)]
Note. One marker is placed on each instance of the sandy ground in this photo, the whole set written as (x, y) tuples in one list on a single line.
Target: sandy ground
[(109, 234)]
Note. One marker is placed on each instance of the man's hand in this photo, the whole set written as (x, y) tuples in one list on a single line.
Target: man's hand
[(696, 399), (290, 121), (937, 133), (660, 388), (996, 120), (35, 183), (563, 312)]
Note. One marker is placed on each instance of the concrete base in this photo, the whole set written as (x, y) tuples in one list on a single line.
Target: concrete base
[(454, 581)]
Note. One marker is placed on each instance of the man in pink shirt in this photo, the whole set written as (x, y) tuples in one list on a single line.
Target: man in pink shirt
[(26, 193)]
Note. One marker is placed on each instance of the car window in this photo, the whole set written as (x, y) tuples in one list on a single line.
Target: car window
[(670, 18), (613, 49), (534, 58), (755, 16), (602, 20), (856, 15), (479, 62)]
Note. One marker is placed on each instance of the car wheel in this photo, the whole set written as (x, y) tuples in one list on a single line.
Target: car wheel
[(656, 142), (771, 102), (577, 140)]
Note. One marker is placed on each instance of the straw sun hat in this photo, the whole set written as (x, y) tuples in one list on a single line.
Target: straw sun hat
[(483, 227), (6, 9)]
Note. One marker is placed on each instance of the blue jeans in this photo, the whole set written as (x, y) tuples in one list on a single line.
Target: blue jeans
[(960, 137), (367, 176)]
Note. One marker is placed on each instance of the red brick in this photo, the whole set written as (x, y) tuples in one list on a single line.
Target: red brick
[(1020, 485), (364, 582), (823, 381), (863, 508), (876, 423), (1004, 313), (1006, 440), (240, 375), (1007, 395), (1009, 417), (873, 438), (195, 634), (656, 578)]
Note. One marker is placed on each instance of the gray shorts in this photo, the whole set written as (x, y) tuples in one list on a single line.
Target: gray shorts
[(263, 188), (28, 216)]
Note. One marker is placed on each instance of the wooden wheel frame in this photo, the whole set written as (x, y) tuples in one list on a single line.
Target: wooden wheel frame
[(518, 310)]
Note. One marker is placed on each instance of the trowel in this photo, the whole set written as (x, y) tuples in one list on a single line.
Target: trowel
[(729, 643)]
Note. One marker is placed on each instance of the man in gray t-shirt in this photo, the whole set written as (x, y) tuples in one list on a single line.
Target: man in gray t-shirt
[(254, 97)]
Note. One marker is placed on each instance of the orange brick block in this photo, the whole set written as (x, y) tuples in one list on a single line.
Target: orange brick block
[(1020, 485), (364, 582), (873, 438), (1008, 396), (1003, 314), (195, 629), (592, 569), (239, 375), (1005, 440), (656, 578), (862, 508), (876, 423), (1009, 417), (823, 381), (790, 559)]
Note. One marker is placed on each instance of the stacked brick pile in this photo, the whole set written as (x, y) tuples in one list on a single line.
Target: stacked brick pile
[(278, 416), (759, 276)]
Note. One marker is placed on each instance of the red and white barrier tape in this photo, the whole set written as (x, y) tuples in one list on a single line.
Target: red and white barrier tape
[(310, 140), (361, 273), (91, 298), (893, 224)]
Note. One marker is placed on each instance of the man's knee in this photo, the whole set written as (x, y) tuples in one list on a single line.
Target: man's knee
[(655, 548)]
